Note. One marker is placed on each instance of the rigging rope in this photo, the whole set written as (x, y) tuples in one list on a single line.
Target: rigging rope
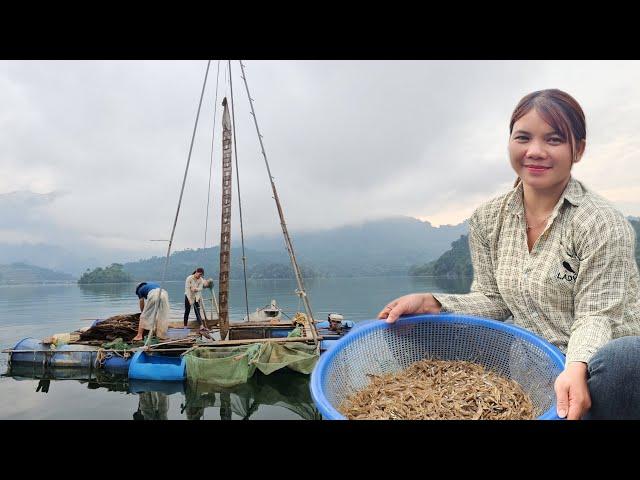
[(235, 150), (175, 222), (289, 245)]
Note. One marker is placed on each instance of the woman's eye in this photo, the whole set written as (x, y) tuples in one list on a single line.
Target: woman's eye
[(555, 140), (521, 138)]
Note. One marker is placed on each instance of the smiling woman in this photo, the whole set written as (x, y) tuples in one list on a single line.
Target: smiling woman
[(560, 260), (548, 135)]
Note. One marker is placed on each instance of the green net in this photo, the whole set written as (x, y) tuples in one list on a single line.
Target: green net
[(225, 366), (296, 332), (297, 356), (117, 344), (229, 366)]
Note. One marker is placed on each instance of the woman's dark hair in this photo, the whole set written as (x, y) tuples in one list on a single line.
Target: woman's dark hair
[(140, 285), (199, 269), (558, 109)]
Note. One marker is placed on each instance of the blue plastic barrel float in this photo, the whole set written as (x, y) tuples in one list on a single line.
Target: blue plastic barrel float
[(74, 356), (146, 366), (38, 352), (116, 364), (379, 348)]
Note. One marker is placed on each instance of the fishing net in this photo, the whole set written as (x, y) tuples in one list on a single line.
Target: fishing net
[(117, 344), (229, 366), (299, 357), (225, 366), (296, 332)]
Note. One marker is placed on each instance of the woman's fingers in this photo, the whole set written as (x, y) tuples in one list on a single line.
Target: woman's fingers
[(572, 392), (414, 303), (392, 311), (562, 399), (384, 313), (396, 311), (398, 307)]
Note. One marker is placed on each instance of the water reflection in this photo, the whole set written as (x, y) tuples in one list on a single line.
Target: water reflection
[(111, 382), (34, 393), (288, 390), (152, 406), (22, 371), (109, 290), (454, 285)]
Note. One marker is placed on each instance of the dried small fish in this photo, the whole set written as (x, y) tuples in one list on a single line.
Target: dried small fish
[(439, 389)]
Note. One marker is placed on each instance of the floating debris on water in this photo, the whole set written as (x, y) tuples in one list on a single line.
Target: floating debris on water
[(439, 390)]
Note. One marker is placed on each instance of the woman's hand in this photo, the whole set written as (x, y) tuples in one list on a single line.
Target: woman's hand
[(414, 303), (572, 393)]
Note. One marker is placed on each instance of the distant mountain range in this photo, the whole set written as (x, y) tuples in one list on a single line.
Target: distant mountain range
[(382, 247), (395, 246), (453, 263), (47, 256), (22, 273)]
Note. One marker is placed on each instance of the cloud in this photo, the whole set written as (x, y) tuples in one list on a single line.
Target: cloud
[(346, 140), (23, 209)]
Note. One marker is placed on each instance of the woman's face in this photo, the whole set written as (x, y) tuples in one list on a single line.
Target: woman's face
[(539, 154), (198, 274)]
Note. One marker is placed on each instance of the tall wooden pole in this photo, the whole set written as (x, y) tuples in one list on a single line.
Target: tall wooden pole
[(225, 228)]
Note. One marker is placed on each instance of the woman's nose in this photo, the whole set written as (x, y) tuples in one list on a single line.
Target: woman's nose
[(536, 150)]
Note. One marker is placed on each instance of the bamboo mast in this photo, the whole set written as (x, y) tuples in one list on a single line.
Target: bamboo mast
[(225, 228)]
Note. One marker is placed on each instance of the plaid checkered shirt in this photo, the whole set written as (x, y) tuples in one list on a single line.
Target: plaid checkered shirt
[(578, 287)]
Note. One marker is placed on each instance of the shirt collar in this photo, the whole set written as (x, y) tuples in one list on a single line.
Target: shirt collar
[(573, 193), (515, 201)]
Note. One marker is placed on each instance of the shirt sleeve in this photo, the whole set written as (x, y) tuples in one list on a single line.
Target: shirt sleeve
[(484, 300), (187, 289), (606, 254)]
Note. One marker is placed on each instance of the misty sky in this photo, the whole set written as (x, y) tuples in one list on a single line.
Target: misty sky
[(92, 153)]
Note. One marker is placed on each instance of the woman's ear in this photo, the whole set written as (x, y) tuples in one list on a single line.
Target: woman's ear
[(580, 147)]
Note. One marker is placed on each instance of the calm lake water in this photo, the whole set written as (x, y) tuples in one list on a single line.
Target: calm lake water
[(28, 392)]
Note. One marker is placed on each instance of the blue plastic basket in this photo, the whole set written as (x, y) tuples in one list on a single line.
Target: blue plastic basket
[(379, 348)]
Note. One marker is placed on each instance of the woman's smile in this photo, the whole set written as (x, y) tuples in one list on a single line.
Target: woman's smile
[(537, 169)]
